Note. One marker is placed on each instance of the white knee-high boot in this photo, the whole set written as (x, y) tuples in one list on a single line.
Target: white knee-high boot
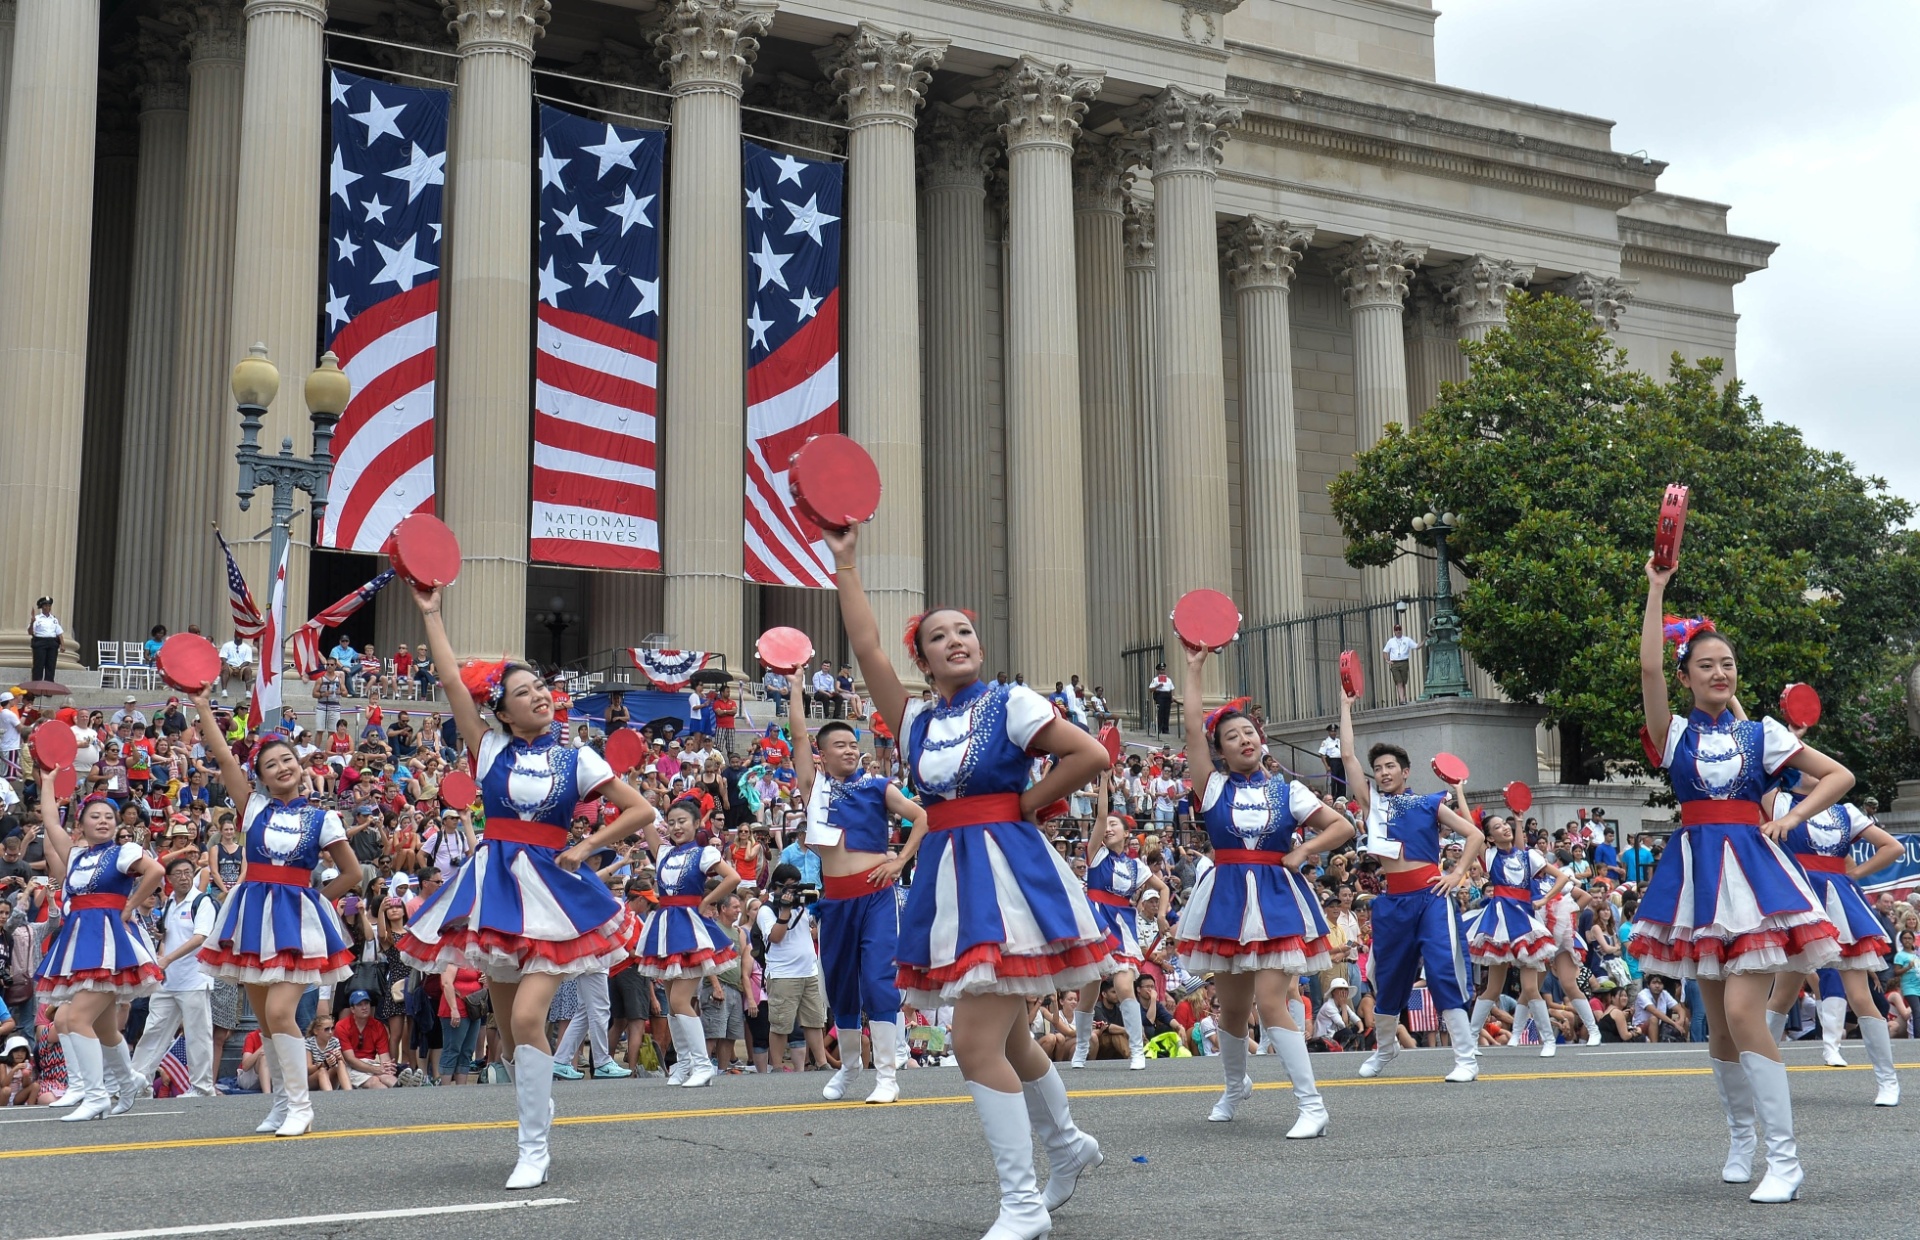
[(533, 1094), (836, 1087), (1291, 1046), (1833, 1027), (1233, 1062), (1482, 1008), (1466, 1065), (1774, 1105), (1009, 1131), (1543, 1021), (1136, 1036), (86, 1071), (122, 1081), (1874, 1032), (1082, 1037), (1587, 1018), (1776, 1025), (71, 1098), (888, 1036), (278, 1114), (1736, 1099), (693, 1037), (1070, 1152), (1297, 1009), (1386, 1037), (291, 1053)]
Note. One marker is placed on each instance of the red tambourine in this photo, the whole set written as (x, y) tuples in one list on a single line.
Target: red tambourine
[(65, 780), (784, 650), (1519, 797), (1449, 769), (53, 745), (1205, 619), (1672, 524), (834, 483), (1110, 738), (1646, 746), (424, 551), (1801, 705), (188, 662), (625, 749), (1353, 674), (457, 790)]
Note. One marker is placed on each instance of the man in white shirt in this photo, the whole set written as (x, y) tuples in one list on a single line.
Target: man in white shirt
[(1330, 755), (795, 994), (10, 737), (1076, 705), (826, 691), (184, 1002), (236, 662), (1399, 651), (1658, 1013), (1161, 687), (1166, 796), (1335, 1022), (129, 712)]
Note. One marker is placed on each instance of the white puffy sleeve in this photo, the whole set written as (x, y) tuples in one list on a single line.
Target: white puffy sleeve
[(1302, 800), (709, 859), (1779, 744), (1027, 713), (1857, 821), (255, 804), (332, 830), (1675, 726), (491, 747), (914, 707), (1216, 783), (126, 857), (590, 771)]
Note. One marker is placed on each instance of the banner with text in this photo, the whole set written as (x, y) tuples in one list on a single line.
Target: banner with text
[(1900, 877)]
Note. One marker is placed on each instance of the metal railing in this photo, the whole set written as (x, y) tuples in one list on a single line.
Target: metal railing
[(1291, 668)]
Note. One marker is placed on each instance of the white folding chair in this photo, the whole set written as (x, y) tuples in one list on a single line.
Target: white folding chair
[(108, 656)]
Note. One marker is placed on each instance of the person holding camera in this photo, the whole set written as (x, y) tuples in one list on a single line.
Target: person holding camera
[(848, 825), (795, 996), (681, 944)]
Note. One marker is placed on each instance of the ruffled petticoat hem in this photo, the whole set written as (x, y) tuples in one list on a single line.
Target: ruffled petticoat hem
[(1290, 954), (126, 983), (987, 969), (703, 963), (1799, 944), (252, 969), (1532, 952), (1131, 964), (1871, 954), (504, 957)]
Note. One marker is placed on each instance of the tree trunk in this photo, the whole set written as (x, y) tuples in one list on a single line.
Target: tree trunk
[(1573, 752)]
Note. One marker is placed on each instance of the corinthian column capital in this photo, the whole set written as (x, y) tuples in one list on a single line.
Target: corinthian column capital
[(1039, 104), (1100, 172), (1189, 130), (1374, 270), (954, 149), (1138, 234), (1478, 288), (215, 30), (161, 72), (414, 29), (710, 45), (508, 26), (882, 76), (1605, 297), (1262, 252)]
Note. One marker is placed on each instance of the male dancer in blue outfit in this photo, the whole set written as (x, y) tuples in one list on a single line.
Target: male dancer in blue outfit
[(848, 815), (1414, 921)]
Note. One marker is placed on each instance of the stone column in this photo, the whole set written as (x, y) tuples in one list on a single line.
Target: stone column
[(276, 281), (115, 170), (1187, 131), (1262, 254), (881, 76), (204, 427), (1106, 404), (145, 472), (1433, 348), (1040, 106), (1143, 313), (963, 455), (1374, 273), (489, 266), (1478, 290), (46, 223), (7, 14), (708, 47), (1605, 297)]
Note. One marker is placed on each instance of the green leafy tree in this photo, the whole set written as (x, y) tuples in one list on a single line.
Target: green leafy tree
[(1556, 456)]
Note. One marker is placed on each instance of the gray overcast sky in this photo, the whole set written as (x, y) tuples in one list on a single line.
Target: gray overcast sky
[(1806, 118)]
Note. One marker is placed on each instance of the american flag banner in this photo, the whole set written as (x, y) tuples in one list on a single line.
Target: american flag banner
[(247, 621), (264, 703), (306, 638), (670, 669), (793, 353), (173, 1066), (594, 440), (383, 301)]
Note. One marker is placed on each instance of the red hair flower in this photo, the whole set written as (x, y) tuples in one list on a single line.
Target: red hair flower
[(485, 680), (1681, 630), (911, 638)]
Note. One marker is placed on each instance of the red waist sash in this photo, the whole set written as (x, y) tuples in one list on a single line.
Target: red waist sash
[(1719, 813), (1248, 856), (680, 901), (1107, 897), (537, 834), (1406, 882), (972, 811), (850, 886), (1514, 893), (281, 875), (1826, 865), (102, 900)]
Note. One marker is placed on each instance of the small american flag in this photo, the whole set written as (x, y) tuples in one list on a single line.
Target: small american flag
[(174, 1068), (306, 638), (1421, 1015), (247, 620)]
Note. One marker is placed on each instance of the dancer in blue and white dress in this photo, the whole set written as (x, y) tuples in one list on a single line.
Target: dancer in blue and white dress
[(848, 816), (1823, 847), (276, 934), (525, 910), (1252, 921), (1726, 906), (1414, 920), (994, 914), (1115, 882), (681, 943), (100, 957), (1507, 931)]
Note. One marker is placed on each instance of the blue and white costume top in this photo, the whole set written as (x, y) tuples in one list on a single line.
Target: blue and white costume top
[(677, 939), (1506, 929), (1250, 912), (95, 949), (1405, 826), (1725, 898), (851, 814), (1823, 846), (512, 909), (276, 926), (859, 922), (993, 909), (1112, 881)]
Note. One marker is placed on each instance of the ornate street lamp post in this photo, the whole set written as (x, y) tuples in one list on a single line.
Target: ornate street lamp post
[(1446, 674), (255, 383)]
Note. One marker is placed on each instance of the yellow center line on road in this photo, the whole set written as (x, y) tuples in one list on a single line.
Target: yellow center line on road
[(196, 1143)]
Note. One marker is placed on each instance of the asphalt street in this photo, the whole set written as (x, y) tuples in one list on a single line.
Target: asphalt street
[(1608, 1141)]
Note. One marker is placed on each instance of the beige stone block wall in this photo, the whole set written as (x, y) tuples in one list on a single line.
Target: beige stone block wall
[(1324, 430), (1390, 38)]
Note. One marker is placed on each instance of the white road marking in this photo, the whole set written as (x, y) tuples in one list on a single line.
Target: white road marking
[(54, 1119), (314, 1220)]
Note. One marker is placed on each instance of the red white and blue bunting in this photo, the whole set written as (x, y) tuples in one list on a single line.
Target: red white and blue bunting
[(670, 669)]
